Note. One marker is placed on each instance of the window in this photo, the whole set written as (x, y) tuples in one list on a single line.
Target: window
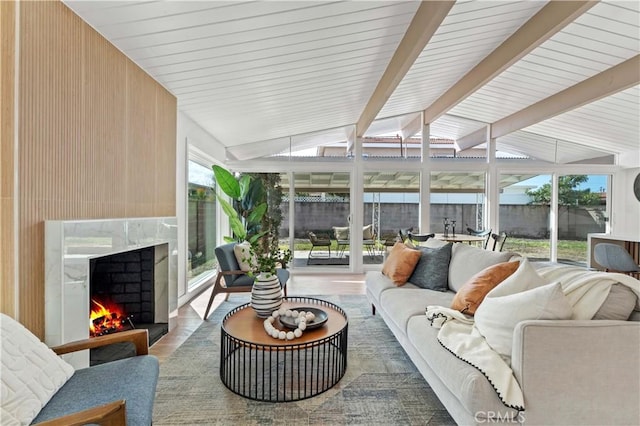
[(201, 223), (457, 197), (391, 202), (582, 202), (524, 217), (321, 204)]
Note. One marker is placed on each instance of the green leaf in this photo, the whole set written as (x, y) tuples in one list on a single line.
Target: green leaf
[(257, 214), (238, 229), (255, 195), (245, 183), (227, 208), (227, 182), (254, 238)]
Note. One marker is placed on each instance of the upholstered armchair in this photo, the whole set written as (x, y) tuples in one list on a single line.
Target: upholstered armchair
[(231, 278), (39, 386)]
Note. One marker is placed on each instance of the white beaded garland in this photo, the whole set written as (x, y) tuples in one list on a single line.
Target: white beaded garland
[(300, 318)]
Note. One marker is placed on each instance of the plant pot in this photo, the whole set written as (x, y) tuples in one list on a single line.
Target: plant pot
[(266, 294)]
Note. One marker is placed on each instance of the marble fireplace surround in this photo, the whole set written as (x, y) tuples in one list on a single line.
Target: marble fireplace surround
[(69, 247)]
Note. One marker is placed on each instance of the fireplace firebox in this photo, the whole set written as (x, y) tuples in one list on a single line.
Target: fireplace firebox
[(122, 297)]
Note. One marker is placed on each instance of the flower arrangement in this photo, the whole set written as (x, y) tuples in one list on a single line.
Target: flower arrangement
[(266, 255)]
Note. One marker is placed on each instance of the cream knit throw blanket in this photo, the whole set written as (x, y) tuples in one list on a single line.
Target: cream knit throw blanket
[(585, 291)]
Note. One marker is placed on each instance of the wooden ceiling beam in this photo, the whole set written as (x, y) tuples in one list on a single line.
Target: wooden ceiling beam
[(548, 21), (424, 24), (606, 83)]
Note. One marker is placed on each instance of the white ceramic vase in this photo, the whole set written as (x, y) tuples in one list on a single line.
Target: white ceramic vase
[(266, 294)]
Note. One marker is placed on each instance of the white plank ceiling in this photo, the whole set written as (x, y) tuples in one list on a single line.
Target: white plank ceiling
[(263, 75)]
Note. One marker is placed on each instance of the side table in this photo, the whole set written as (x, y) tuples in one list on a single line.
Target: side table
[(257, 366)]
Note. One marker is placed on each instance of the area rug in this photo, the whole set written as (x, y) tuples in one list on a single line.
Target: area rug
[(344, 260), (328, 261), (380, 387)]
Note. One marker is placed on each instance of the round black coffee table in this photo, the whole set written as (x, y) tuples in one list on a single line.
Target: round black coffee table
[(257, 366)]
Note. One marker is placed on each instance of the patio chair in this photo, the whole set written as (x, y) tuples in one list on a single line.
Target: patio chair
[(318, 241), (614, 258), (403, 234), (420, 238), (341, 235), (235, 279), (478, 233), (498, 241)]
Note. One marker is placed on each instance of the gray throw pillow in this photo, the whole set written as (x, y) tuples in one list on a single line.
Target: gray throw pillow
[(618, 305), (432, 270)]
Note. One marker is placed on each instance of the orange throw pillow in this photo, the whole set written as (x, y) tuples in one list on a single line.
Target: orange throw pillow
[(400, 263), (472, 293)]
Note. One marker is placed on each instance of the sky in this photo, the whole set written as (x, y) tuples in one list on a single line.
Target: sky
[(596, 183)]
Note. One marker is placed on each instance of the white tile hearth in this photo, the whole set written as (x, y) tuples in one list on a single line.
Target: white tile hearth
[(69, 246)]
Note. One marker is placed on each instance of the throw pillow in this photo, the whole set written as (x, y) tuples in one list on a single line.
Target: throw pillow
[(471, 294), (618, 305), (341, 232), (432, 270), (467, 261), (243, 256), (367, 232), (497, 316), (31, 372), (400, 263), (524, 278)]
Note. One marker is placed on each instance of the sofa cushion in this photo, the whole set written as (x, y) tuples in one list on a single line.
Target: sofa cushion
[(341, 232), (30, 372), (403, 303), (400, 263), (131, 379), (466, 382), (471, 294), (618, 305), (377, 283), (468, 260), (432, 270), (497, 316), (367, 232)]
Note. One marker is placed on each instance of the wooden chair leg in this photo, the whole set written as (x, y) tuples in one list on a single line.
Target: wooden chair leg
[(216, 290)]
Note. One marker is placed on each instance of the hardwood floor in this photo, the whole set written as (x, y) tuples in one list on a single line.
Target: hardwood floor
[(190, 315)]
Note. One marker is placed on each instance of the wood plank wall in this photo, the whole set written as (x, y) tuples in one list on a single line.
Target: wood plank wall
[(97, 138), (7, 167)]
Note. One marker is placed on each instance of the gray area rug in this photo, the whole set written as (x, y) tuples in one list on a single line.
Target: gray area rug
[(380, 387)]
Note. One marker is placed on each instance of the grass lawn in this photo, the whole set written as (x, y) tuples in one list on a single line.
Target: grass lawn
[(575, 251), (567, 249)]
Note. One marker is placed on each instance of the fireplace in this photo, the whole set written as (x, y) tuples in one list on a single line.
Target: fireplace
[(128, 264), (122, 289)]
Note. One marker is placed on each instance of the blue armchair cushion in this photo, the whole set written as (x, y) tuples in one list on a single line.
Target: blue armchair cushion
[(132, 379), (227, 261)]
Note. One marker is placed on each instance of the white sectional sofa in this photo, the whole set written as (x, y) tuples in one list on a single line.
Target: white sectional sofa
[(571, 372)]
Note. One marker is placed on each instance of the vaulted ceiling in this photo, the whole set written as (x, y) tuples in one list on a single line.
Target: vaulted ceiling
[(558, 81)]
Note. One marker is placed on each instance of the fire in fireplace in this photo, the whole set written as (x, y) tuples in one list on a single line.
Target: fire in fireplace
[(106, 318), (123, 292)]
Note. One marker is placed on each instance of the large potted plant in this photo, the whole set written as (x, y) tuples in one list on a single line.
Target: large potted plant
[(251, 223)]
